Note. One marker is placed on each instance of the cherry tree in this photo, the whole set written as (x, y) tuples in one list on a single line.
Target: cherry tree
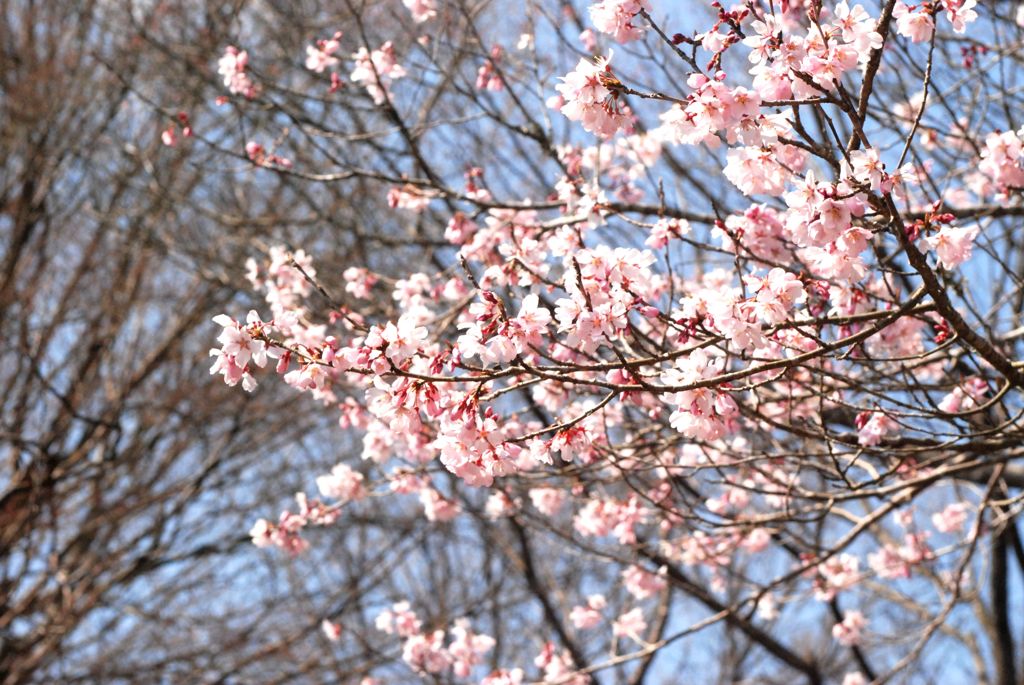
[(684, 336)]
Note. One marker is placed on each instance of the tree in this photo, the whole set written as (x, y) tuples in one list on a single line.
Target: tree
[(700, 355), (128, 472)]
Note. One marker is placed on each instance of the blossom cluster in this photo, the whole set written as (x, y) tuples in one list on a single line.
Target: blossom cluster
[(232, 66), (426, 652), (675, 410)]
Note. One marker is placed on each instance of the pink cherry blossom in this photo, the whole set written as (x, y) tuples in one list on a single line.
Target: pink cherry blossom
[(286, 533), (755, 171), (630, 624), (343, 483), (421, 10), (916, 24), (665, 230), (1002, 159), (399, 620), (403, 339), (857, 28), (951, 519), (641, 583), (467, 648), (776, 295), (232, 66), (437, 507), (359, 282), (409, 197), (502, 677), (487, 76), (426, 653), (259, 155), (617, 17), (321, 55), (590, 97), (331, 630), (888, 563), (239, 346), (588, 616), (499, 505), (952, 246), (838, 573), (683, 404), (866, 167), (376, 70), (530, 324), (557, 667), (875, 427), (548, 501), (848, 632), (960, 13), (588, 39)]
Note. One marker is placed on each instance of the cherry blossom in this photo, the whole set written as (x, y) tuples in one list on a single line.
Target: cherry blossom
[(285, 534), (232, 66), (616, 17), (642, 583), (239, 346), (1002, 160), (259, 155), (951, 519), (436, 507), (766, 370), (467, 649), (321, 55), (665, 230), (702, 412), (331, 630), (630, 624), (399, 620), (409, 197), (588, 616), (487, 76), (952, 246), (848, 632), (838, 573), (916, 24), (343, 483), (548, 501), (376, 70), (960, 13), (421, 10), (502, 677), (426, 653), (557, 667), (874, 427), (590, 97)]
